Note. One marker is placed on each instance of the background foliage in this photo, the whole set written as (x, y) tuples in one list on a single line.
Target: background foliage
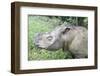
[(38, 24)]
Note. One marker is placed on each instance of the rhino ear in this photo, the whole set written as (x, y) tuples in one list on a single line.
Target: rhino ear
[(66, 30)]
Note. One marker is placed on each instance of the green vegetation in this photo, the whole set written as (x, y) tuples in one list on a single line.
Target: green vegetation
[(38, 24)]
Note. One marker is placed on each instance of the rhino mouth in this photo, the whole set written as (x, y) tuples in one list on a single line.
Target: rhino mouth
[(40, 48)]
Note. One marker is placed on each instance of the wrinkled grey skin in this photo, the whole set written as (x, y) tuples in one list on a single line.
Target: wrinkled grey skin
[(69, 38)]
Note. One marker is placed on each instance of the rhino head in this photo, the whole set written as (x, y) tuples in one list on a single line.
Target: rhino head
[(51, 40)]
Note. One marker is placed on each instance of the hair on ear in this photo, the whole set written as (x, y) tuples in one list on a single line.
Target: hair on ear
[(66, 30)]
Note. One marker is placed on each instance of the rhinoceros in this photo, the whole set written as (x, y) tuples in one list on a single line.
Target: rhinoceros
[(70, 38)]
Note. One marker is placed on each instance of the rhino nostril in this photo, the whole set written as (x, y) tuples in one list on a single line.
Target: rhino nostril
[(36, 45), (36, 41)]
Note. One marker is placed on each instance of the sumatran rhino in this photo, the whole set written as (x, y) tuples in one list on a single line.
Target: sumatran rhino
[(70, 38)]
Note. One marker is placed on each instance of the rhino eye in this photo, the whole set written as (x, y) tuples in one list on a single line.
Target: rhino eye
[(49, 38)]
